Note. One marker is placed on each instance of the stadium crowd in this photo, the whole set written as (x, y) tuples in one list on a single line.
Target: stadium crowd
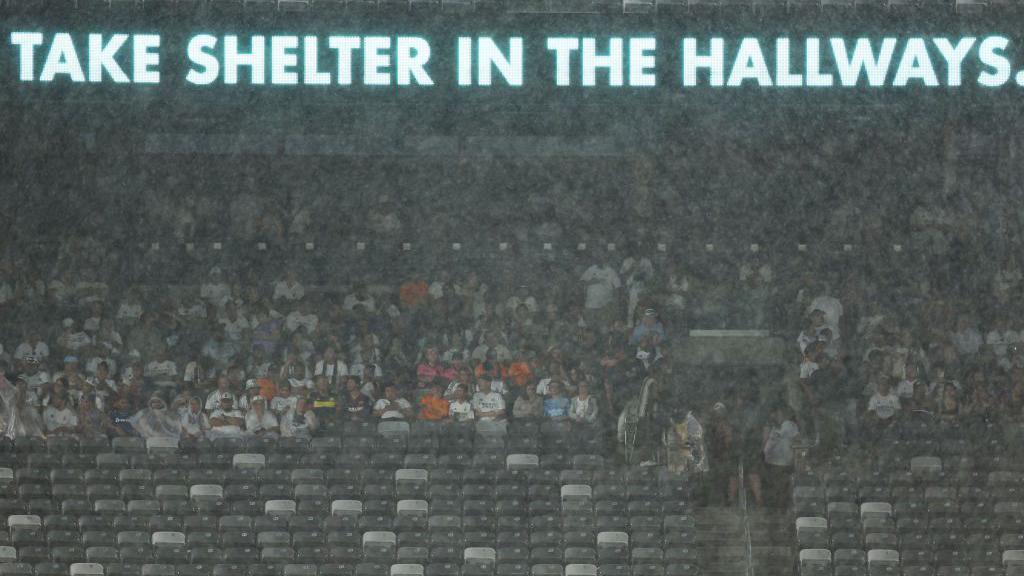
[(229, 360)]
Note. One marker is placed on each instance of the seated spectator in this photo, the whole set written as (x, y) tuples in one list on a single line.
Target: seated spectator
[(156, 421), (358, 405), (883, 408), (121, 414), (33, 347), (289, 289), (259, 421), (948, 405), (92, 420), (556, 405), (326, 404), (283, 400), (213, 401), (583, 407), (488, 405), (392, 407), (460, 409), (433, 406), (299, 421), (905, 389), (463, 377), (432, 368), (162, 372), (59, 418), (194, 422), (529, 405), (226, 421), (331, 367)]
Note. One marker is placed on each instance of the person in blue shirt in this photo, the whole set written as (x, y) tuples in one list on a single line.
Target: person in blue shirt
[(556, 405), (649, 328)]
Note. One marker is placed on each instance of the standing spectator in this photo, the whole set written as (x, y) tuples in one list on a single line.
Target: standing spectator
[(601, 284), (883, 409), (779, 434), (326, 405), (360, 297)]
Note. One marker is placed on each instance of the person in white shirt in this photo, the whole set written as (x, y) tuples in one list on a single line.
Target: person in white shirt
[(360, 297), (779, 435), (302, 317), (884, 404), (832, 309), (59, 418), (194, 422), (460, 409), (226, 421), (601, 284), (905, 389), (72, 339), (488, 405), (235, 325), (284, 400), (215, 290), (213, 401), (391, 407), (331, 367), (583, 408), (298, 421), (522, 297), (32, 347), (289, 289), (258, 420), (162, 371)]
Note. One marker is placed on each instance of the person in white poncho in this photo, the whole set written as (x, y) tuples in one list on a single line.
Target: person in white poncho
[(156, 421)]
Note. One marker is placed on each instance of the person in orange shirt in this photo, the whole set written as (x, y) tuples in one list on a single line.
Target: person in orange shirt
[(433, 406), (413, 292), (519, 372)]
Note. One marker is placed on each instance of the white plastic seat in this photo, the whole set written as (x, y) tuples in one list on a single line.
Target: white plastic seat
[(581, 570), (875, 510), (8, 554), (522, 461), (406, 570), (1013, 558), (279, 507), (6, 475), (492, 428), (880, 557), (346, 508), (613, 539), (412, 507), (86, 569), (411, 475), (811, 528), (206, 492), (379, 537), (815, 556), (168, 539), (576, 492), (479, 554), (249, 461), (24, 521)]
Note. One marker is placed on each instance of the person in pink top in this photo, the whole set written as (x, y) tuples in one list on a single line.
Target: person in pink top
[(432, 368)]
